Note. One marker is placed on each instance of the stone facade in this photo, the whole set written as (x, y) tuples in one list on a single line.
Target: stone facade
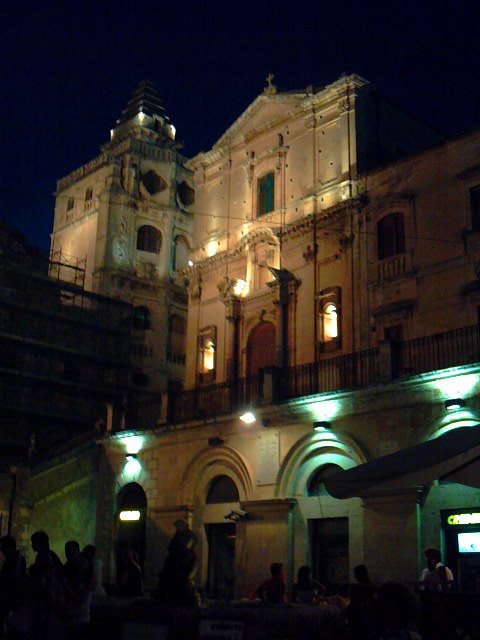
[(334, 284)]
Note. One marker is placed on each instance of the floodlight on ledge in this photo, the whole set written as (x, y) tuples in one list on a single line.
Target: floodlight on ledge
[(190, 263), (321, 425), (248, 417), (454, 403), (129, 516), (130, 457)]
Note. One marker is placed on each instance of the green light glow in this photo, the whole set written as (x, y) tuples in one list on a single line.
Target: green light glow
[(133, 444), (132, 468), (324, 410), (456, 386)]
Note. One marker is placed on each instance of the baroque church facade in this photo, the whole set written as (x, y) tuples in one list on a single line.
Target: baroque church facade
[(327, 244)]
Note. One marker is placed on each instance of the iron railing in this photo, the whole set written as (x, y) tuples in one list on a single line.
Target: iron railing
[(349, 371)]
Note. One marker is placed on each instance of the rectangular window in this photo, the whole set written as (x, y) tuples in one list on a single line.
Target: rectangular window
[(391, 235), (265, 194), (70, 203), (475, 207), (88, 194)]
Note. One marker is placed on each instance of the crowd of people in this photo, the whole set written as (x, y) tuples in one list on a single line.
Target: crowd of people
[(49, 600)]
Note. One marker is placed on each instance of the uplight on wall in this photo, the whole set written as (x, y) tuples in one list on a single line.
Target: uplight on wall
[(454, 403), (248, 417)]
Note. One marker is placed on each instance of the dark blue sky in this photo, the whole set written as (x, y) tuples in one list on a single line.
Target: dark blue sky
[(68, 68)]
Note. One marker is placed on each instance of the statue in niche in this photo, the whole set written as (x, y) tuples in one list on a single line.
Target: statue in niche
[(128, 174)]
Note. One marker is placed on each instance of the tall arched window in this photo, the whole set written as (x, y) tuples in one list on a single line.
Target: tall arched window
[(329, 319), (149, 239), (181, 253), (391, 235)]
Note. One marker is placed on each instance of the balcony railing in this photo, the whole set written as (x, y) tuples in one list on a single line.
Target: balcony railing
[(349, 371)]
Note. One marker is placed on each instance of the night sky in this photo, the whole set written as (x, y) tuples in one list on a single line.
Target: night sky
[(68, 69)]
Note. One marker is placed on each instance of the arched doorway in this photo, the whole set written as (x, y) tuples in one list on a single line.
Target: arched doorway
[(260, 354), (221, 537), (260, 348), (131, 520)]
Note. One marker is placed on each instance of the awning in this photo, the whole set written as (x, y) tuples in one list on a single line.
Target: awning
[(452, 456)]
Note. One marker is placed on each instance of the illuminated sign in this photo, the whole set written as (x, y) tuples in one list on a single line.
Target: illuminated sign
[(464, 518), (131, 516)]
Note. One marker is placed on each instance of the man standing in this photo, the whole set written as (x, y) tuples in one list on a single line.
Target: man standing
[(436, 576)]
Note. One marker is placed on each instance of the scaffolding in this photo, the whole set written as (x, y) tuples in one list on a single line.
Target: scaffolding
[(67, 268)]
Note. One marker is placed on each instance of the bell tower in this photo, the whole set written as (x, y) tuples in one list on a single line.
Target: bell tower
[(128, 213)]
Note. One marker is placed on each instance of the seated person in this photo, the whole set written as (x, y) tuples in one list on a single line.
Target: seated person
[(307, 591), (274, 590)]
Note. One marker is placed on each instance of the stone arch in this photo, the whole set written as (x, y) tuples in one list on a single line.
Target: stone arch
[(209, 464), (306, 456)]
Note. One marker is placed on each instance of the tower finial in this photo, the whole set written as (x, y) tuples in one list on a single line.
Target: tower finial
[(270, 89)]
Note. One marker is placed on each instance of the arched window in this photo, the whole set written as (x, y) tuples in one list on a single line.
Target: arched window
[(316, 485), (391, 235), (142, 318), (222, 489), (207, 354), (329, 319), (148, 239), (181, 253)]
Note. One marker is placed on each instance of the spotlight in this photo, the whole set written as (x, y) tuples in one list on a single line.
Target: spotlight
[(454, 403), (130, 457), (247, 417), (322, 425)]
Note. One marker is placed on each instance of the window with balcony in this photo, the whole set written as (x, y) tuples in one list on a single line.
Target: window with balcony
[(148, 239), (265, 194), (391, 235), (329, 319), (475, 207)]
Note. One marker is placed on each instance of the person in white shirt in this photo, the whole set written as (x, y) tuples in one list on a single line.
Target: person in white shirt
[(436, 576)]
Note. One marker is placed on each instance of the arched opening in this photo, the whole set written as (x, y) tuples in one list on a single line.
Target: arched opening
[(131, 521), (222, 489), (221, 536), (261, 348), (149, 239), (181, 253), (316, 484)]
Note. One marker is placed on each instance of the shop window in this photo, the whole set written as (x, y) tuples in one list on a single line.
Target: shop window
[(142, 318), (329, 319), (70, 203), (181, 253), (265, 194), (475, 207), (148, 239), (88, 194), (207, 354), (391, 235), (222, 489)]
